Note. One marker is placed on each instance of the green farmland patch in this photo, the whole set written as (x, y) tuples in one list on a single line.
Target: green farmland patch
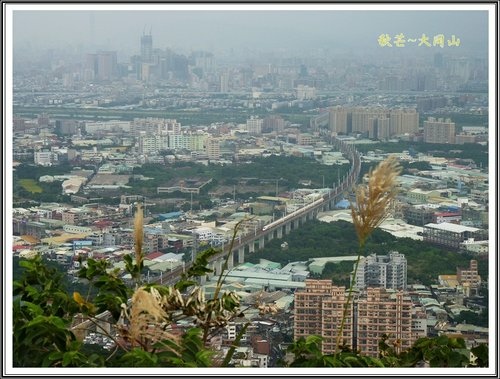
[(30, 185)]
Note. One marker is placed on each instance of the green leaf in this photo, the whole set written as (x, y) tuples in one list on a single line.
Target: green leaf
[(457, 359), (181, 285), (140, 358), (481, 354), (67, 358), (457, 343), (232, 349), (442, 340)]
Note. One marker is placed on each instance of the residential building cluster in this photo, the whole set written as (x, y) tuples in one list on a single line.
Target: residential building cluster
[(101, 156), (381, 123), (377, 123), (372, 313)]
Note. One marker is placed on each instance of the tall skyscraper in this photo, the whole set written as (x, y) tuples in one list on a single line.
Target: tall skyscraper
[(147, 48), (439, 131)]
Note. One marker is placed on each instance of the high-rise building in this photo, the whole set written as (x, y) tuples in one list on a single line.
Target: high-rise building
[(318, 310), (205, 61), (385, 271), (372, 313), (66, 127), (361, 117), (403, 121), (305, 92), (338, 120), (196, 141), (459, 69), (383, 128), (439, 131), (147, 48), (254, 125), (381, 312), (102, 65), (377, 123), (212, 148), (273, 123), (153, 144), (224, 82), (469, 278)]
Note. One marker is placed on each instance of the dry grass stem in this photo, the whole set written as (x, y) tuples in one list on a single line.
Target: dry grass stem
[(375, 198), (373, 201), (138, 233)]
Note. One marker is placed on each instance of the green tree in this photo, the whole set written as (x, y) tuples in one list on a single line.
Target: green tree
[(44, 313)]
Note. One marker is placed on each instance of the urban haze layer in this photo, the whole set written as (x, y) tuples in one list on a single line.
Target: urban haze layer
[(263, 124)]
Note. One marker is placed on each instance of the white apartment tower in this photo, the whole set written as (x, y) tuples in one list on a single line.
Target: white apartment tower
[(254, 125), (385, 271)]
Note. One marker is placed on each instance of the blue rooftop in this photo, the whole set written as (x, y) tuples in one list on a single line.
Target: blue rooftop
[(343, 204), (169, 216)]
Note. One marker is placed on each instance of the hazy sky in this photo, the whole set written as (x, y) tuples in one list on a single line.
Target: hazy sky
[(212, 30)]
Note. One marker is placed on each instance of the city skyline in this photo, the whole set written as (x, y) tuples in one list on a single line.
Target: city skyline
[(334, 30)]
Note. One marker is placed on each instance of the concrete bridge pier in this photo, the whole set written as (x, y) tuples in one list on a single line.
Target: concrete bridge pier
[(251, 247), (288, 227), (241, 255), (261, 242), (218, 266), (230, 261), (279, 232)]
